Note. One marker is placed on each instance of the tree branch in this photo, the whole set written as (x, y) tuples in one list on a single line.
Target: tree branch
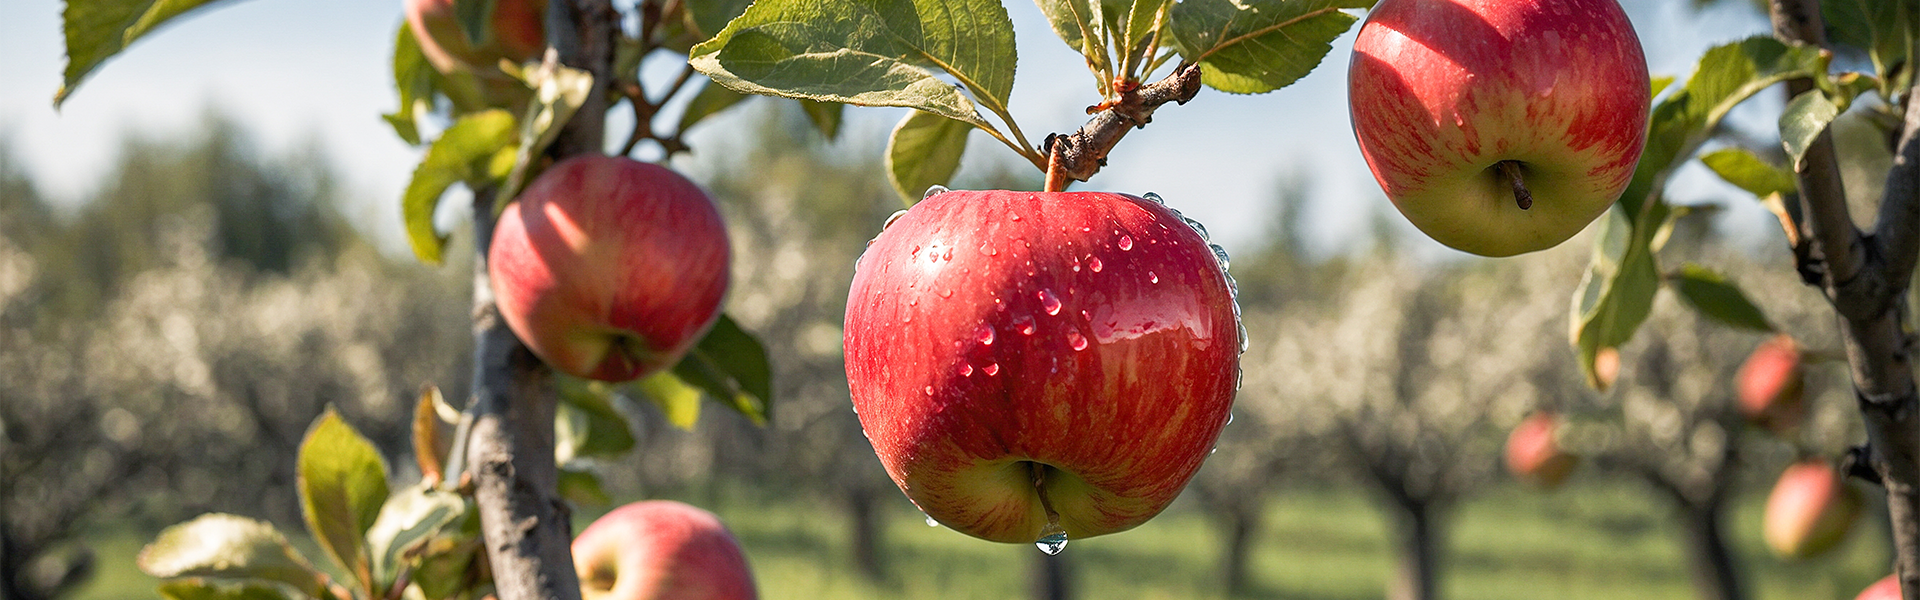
[(516, 484), (1077, 156), (1866, 279)]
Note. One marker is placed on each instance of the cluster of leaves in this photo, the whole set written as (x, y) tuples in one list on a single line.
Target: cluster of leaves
[(949, 60), (1617, 292)]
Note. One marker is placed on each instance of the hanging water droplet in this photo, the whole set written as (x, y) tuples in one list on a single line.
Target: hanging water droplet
[(1154, 198), (1219, 255), (1197, 227), (1093, 262), (934, 190), (930, 521), (894, 217), (1152, 278), (985, 335), (1052, 540), (1076, 341), (1126, 242), (1024, 323), (1229, 418), (991, 369), (1049, 302), (1243, 337)]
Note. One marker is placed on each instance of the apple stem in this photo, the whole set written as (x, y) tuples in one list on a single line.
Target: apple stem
[(1039, 487), (1511, 169)]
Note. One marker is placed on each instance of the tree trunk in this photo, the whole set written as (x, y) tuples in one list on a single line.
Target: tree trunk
[(1243, 526), (868, 531), (1052, 576), (1416, 573), (1714, 576)]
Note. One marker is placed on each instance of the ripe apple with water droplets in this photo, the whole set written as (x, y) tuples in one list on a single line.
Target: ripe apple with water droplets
[(1028, 364), (609, 268), (1499, 127)]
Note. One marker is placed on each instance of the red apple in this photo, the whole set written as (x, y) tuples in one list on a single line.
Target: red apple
[(1771, 385), (1534, 456), (660, 550), (609, 268), (1887, 588), (518, 33), (1460, 105), (1810, 510), (1020, 356)]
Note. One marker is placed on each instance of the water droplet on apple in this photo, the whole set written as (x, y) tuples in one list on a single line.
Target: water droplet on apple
[(946, 293), (893, 217), (1219, 255), (991, 369), (1214, 450), (1049, 302), (1014, 216), (1242, 330), (913, 302), (929, 390), (1233, 291), (930, 521), (966, 370), (1152, 277), (1229, 419), (935, 190), (1239, 377), (948, 255), (1075, 340), (1126, 242), (1024, 323), (1093, 262), (985, 334), (1052, 540), (1154, 198), (1197, 227)]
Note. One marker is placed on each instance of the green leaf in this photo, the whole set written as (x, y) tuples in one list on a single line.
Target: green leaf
[(557, 93), (1257, 46), (1130, 25), (230, 547), (582, 486), (730, 365), (678, 400), (1805, 117), (924, 151), (1616, 293), (343, 483), (712, 99), (98, 29), (407, 521), (1746, 171), (201, 588), (475, 18), (824, 115), (868, 53), (587, 424), (1079, 23), (710, 16), (1726, 76), (1718, 299), (460, 155), (1659, 83), (413, 80), (1880, 28)]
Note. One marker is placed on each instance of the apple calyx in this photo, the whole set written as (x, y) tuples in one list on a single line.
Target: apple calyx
[(1511, 170)]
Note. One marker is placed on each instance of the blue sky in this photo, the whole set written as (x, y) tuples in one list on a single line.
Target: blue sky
[(302, 72)]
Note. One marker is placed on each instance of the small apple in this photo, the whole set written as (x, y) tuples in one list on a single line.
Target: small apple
[(1029, 365), (1772, 384), (517, 33), (1887, 588), (609, 268), (1533, 456), (660, 550), (1810, 510), (1499, 127)]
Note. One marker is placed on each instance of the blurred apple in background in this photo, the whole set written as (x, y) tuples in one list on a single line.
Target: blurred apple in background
[(517, 33), (1810, 510), (1534, 456), (1772, 385)]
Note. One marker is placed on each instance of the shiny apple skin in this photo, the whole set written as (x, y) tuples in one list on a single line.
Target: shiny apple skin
[(1092, 333), (609, 268), (518, 34), (1440, 91), (661, 550)]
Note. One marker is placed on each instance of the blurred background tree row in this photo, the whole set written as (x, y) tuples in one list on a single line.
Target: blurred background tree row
[(164, 343)]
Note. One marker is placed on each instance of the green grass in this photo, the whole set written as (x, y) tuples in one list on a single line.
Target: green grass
[(1589, 541)]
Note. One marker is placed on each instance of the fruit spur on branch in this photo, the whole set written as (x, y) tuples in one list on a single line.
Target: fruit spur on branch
[(1499, 127)]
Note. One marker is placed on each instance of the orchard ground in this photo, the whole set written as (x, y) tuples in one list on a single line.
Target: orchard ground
[(1590, 540)]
